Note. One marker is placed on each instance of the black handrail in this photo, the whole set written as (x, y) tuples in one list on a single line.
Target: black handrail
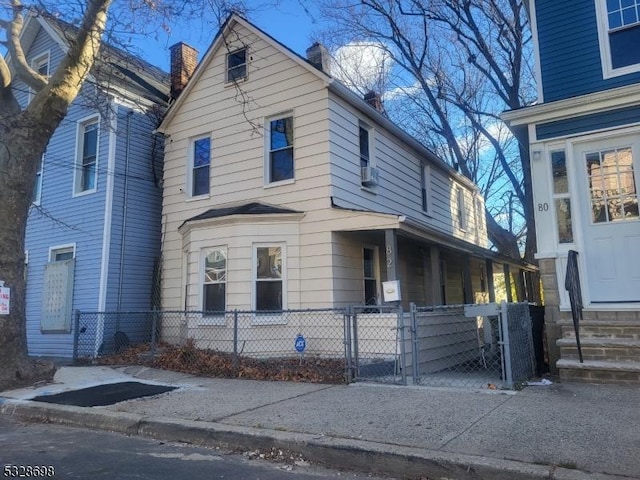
[(572, 285)]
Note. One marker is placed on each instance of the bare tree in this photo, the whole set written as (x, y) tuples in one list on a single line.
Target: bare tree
[(459, 63), (25, 130)]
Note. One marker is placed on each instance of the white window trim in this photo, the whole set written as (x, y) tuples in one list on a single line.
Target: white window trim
[(57, 248), (605, 49), (267, 150), (39, 174), (426, 204), (260, 318), (370, 131), (479, 214), (38, 59), (211, 319), (372, 154), (461, 211), (77, 160), (190, 163)]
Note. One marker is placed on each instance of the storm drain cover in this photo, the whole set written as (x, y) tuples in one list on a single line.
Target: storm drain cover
[(101, 395)]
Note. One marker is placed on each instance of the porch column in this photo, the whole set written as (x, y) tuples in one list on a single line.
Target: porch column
[(391, 253), (490, 286), (507, 282), (436, 281), (467, 283)]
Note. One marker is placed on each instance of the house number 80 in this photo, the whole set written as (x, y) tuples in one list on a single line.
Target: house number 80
[(543, 207)]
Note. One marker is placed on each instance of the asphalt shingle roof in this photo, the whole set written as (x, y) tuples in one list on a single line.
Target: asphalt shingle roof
[(253, 208)]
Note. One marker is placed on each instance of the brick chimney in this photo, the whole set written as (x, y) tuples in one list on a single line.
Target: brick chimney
[(184, 60), (319, 57), (374, 100)]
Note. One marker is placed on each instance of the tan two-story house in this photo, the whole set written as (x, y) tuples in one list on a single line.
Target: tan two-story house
[(285, 190)]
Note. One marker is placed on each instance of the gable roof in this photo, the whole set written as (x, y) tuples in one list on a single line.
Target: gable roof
[(333, 84), (114, 69), (218, 42)]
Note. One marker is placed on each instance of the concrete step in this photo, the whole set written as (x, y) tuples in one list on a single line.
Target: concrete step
[(593, 371), (601, 349)]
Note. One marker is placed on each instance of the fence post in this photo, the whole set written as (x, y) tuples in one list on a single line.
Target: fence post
[(506, 345), (403, 362), (414, 342), (347, 346), (354, 325), (154, 330), (235, 341), (76, 333)]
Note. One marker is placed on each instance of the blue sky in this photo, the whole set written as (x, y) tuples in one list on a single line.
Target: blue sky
[(287, 22)]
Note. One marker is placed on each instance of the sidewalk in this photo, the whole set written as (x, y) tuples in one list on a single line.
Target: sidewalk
[(562, 431)]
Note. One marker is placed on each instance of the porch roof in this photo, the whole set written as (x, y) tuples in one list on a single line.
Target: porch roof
[(411, 228)]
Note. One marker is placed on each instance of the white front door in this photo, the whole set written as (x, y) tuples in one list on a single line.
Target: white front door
[(608, 176)]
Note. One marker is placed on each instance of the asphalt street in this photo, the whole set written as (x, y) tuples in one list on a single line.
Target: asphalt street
[(70, 453)]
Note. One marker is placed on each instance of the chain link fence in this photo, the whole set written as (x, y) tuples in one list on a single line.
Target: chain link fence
[(471, 346), (287, 345), (377, 344)]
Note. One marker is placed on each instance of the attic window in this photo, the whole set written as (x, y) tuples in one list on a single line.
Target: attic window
[(237, 65)]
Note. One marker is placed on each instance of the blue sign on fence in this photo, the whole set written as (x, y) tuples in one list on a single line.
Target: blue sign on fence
[(300, 344)]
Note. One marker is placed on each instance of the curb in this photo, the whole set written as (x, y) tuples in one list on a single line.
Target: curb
[(356, 455)]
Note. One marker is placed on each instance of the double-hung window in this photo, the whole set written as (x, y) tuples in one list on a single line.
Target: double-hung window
[(368, 174), (214, 284), (270, 289), (200, 163), (365, 159), (280, 162), (87, 157), (461, 209), (425, 180), (480, 216), (619, 33), (237, 65), (370, 273)]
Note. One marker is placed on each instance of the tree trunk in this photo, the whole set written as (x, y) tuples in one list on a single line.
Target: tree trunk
[(22, 144)]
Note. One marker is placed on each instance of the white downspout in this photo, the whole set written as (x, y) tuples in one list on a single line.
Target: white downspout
[(108, 218)]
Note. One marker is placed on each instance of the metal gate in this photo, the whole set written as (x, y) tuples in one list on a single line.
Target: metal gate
[(471, 346), (377, 338)]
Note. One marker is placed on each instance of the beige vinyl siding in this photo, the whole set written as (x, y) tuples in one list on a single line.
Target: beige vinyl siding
[(414, 277), (324, 266), (274, 85), (239, 239), (400, 186), (348, 267)]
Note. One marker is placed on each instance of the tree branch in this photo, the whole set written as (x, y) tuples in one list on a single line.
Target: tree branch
[(65, 83), (23, 71)]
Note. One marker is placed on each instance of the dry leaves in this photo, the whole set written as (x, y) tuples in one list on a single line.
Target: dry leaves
[(210, 363)]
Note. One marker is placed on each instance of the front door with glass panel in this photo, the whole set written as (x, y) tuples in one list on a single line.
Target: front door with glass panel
[(609, 172)]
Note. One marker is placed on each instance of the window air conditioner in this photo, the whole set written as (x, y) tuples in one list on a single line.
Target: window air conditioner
[(370, 176)]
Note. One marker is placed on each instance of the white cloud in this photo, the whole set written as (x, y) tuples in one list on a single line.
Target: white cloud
[(402, 91), (362, 65)]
